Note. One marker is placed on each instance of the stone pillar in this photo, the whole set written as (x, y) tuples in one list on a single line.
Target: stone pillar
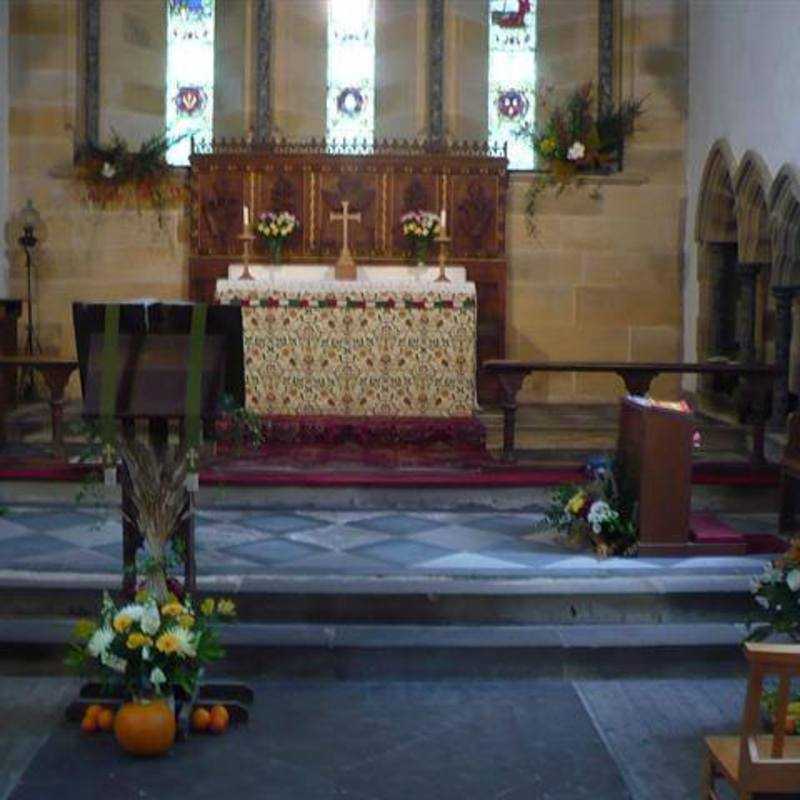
[(263, 64), (718, 338), (436, 71), (748, 276), (783, 342)]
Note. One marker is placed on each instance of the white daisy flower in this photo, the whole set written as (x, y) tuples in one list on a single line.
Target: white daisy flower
[(576, 152)]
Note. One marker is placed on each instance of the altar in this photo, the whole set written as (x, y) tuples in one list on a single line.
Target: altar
[(377, 347)]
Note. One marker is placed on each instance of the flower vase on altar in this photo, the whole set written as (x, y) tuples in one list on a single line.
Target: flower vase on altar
[(421, 252), (276, 227), (276, 250)]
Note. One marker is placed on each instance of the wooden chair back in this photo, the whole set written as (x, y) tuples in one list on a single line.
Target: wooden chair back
[(764, 764)]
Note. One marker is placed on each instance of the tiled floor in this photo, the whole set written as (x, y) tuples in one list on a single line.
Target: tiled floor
[(238, 542), (390, 740)]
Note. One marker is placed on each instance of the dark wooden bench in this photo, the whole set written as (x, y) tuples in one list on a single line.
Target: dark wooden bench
[(56, 373), (637, 377)]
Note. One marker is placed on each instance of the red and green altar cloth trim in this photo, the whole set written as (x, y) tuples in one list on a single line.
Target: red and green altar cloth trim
[(388, 304)]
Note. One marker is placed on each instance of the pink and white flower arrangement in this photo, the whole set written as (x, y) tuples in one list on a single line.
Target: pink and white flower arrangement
[(420, 225)]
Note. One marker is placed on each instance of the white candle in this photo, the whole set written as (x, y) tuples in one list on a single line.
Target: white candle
[(246, 217), (443, 219)]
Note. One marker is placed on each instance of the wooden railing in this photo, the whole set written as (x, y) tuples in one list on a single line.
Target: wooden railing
[(637, 376)]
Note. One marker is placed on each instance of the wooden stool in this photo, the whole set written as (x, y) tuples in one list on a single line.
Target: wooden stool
[(755, 765)]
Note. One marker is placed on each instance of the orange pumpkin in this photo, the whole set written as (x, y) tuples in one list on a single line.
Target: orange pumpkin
[(145, 728), (219, 719)]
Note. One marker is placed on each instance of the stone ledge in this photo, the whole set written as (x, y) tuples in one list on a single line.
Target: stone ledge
[(586, 179)]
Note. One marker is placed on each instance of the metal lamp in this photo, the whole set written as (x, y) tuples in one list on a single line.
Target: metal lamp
[(31, 220)]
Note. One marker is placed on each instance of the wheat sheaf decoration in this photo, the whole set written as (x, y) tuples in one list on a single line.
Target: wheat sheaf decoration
[(158, 494)]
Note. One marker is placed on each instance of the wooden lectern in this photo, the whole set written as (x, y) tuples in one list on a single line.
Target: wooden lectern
[(655, 454)]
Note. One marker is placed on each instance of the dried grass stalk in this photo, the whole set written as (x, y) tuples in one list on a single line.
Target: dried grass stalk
[(158, 494)]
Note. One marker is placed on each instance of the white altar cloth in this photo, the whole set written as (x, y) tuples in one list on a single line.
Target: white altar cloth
[(366, 273)]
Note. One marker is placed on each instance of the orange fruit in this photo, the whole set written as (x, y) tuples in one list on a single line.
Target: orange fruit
[(105, 719), (93, 710), (201, 719), (219, 719), (88, 725)]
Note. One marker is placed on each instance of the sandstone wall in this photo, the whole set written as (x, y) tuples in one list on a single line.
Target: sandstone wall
[(600, 279)]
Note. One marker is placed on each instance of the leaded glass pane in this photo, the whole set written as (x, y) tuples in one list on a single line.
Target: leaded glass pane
[(512, 77), (351, 72), (190, 74)]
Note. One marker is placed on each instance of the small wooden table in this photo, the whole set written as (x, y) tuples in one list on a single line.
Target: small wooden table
[(637, 377), (56, 373)]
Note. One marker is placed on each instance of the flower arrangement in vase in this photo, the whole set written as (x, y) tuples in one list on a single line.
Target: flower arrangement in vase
[(420, 229), (275, 227), (151, 648), (575, 138), (155, 652), (599, 513)]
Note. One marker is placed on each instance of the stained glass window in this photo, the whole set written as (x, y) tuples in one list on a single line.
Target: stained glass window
[(512, 77), (190, 74), (351, 72)]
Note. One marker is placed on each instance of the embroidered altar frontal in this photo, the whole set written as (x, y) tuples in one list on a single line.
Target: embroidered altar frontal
[(389, 349)]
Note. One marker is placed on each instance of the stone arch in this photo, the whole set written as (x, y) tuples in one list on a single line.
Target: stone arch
[(751, 186), (716, 215), (718, 281), (784, 205)]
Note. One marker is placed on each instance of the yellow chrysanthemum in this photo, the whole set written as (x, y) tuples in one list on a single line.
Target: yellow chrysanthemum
[(186, 621), (176, 641), (167, 643), (137, 640), (226, 608), (576, 502), (172, 609), (122, 622), (207, 607), (547, 146)]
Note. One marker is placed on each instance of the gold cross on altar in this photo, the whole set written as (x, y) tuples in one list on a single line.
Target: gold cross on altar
[(345, 266)]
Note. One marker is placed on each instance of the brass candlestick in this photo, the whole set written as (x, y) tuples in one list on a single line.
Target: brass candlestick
[(443, 241), (247, 238)]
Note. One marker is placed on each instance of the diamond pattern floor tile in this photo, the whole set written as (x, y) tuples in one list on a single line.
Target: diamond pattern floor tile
[(397, 524), (509, 524), (283, 522), (461, 538), (338, 538), (272, 551), (27, 545), (50, 520), (401, 551)]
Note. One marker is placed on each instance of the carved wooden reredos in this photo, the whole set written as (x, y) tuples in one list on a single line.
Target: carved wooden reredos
[(469, 180)]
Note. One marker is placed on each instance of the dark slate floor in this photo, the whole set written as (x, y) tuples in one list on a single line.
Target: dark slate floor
[(478, 740), (72, 539)]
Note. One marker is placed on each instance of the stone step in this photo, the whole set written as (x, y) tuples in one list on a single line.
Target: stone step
[(719, 498), (415, 651), (370, 600)]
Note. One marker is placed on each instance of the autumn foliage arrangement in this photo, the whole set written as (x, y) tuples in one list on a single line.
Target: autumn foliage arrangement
[(114, 174), (575, 137)]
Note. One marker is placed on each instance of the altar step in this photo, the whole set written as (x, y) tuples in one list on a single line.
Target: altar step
[(662, 598), (411, 652)]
